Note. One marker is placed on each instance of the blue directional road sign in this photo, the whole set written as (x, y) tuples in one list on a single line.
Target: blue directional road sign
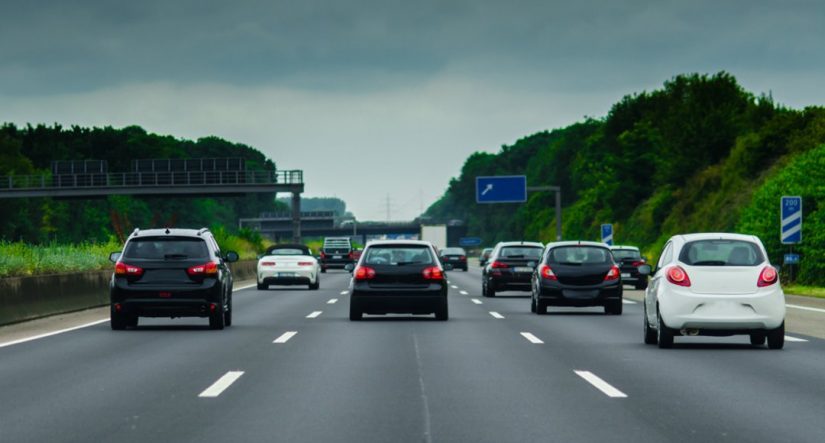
[(501, 189), (607, 234), (791, 259), (469, 241), (791, 216)]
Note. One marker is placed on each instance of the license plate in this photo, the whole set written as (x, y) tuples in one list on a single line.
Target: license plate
[(286, 274), (523, 269), (454, 258), (625, 275), (336, 257)]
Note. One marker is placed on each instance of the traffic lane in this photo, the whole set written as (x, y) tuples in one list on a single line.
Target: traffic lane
[(686, 390), (94, 383), (402, 378)]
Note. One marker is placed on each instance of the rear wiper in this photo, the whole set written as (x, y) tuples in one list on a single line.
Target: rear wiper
[(514, 256), (710, 263), (175, 256)]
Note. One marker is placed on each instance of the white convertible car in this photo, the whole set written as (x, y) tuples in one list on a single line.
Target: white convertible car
[(288, 265)]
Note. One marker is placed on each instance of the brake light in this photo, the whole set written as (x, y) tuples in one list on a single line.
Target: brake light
[(433, 273), (498, 265), (462, 258), (323, 255), (305, 263), (638, 262), (547, 273), (128, 270), (364, 273), (267, 263), (678, 276), (613, 274), (209, 268), (767, 277), (350, 256)]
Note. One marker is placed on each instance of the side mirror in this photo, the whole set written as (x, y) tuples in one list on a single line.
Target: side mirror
[(349, 267), (644, 270), (231, 256), (114, 257)]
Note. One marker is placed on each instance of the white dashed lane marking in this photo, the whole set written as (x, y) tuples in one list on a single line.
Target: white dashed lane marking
[(532, 338), (285, 337), (601, 385), (454, 286), (314, 314), (463, 292), (344, 292), (476, 301), (496, 314), (332, 301), (219, 386)]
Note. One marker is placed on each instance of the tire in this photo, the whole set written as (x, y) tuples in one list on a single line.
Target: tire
[(117, 320), (613, 307), (758, 339), (663, 334), (227, 315), (442, 312), (641, 285), (649, 333), (262, 287), (776, 337), (316, 285), (323, 269), (541, 307), (488, 290), (132, 321), (533, 304), (465, 269), (216, 319), (355, 313)]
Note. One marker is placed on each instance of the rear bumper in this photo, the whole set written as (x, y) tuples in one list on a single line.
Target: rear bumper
[(399, 300), (510, 282), (301, 277), (556, 294), (682, 309), (330, 263), (177, 301)]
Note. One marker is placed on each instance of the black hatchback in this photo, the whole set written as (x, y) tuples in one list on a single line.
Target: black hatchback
[(398, 277), (510, 267), (171, 273), (577, 274)]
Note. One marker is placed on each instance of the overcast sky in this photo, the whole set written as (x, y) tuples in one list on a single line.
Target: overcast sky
[(375, 98)]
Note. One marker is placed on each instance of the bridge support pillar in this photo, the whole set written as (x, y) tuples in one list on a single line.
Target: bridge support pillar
[(296, 217)]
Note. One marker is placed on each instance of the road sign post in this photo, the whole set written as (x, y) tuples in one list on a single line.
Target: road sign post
[(607, 234)]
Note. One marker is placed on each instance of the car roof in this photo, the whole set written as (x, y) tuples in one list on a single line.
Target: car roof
[(287, 246), (716, 236), (576, 243), (520, 243), (178, 232), (398, 242), (634, 248)]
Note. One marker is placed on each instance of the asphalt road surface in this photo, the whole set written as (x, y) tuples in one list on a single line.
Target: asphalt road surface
[(293, 368)]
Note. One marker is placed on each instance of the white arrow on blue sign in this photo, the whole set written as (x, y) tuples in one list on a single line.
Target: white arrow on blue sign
[(791, 216), (501, 189), (607, 234)]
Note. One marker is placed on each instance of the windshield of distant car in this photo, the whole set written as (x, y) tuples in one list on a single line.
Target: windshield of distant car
[(286, 251), (626, 253), (578, 255), (398, 255), (520, 252), (453, 251), (166, 248), (721, 253)]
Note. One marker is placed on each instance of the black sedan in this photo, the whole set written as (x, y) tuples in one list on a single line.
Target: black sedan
[(577, 274), (398, 277), (510, 267), (457, 257)]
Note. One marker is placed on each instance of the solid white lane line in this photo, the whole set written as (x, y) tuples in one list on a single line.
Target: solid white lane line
[(496, 314), (344, 292), (476, 301), (795, 339), (314, 314), (533, 339), (285, 337), (463, 292), (49, 334), (221, 385), (245, 287), (628, 302), (601, 385), (332, 301), (805, 308), (454, 286)]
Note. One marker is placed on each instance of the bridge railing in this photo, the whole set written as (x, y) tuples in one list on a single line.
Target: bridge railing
[(150, 179)]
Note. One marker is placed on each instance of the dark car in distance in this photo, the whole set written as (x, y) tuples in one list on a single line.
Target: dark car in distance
[(484, 256), (398, 277), (171, 273), (457, 257), (577, 274), (510, 267), (336, 253), (630, 260)]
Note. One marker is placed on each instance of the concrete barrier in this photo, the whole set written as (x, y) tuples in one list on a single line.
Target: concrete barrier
[(29, 298)]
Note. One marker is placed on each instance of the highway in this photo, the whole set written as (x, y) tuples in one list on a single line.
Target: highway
[(293, 368)]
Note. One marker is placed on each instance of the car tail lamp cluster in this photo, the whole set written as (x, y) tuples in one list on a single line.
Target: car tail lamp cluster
[(767, 277), (498, 265), (547, 273), (613, 274), (305, 263), (267, 263), (638, 263), (209, 268), (364, 273), (323, 255), (128, 270), (678, 276), (433, 273), (463, 258)]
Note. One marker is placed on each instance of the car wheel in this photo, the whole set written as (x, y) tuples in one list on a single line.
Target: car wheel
[(316, 285), (442, 312), (641, 285), (488, 290), (758, 338), (776, 337), (117, 320), (650, 333), (216, 320), (227, 315), (355, 312), (464, 269), (533, 304), (132, 321), (262, 287), (541, 307), (324, 270), (613, 307), (663, 334)]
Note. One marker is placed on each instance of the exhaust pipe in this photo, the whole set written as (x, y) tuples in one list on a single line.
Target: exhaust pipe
[(690, 332)]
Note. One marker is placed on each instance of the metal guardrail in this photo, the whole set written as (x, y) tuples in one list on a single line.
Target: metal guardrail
[(151, 179)]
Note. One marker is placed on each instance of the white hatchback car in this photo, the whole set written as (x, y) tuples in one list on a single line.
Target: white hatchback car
[(714, 284), (288, 265)]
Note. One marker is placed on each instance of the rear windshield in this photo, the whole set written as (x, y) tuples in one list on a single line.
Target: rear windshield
[(166, 248), (626, 253), (398, 255), (520, 252), (453, 251), (578, 255), (721, 253), (286, 251)]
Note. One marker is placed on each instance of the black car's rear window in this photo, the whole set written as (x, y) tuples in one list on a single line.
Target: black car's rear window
[(398, 255), (626, 253), (579, 255), (531, 252), (166, 248), (721, 253)]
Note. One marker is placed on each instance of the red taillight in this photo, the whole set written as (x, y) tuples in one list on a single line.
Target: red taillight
[(128, 270), (613, 274), (433, 273), (638, 262), (305, 263), (547, 273), (462, 258), (364, 273), (209, 268), (350, 256), (498, 265), (267, 263), (767, 277), (678, 276), (323, 255)]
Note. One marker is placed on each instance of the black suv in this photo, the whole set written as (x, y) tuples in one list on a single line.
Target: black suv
[(337, 252), (171, 273)]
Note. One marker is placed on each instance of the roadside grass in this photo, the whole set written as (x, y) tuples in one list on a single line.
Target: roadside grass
[(22, 259), (808, 291)]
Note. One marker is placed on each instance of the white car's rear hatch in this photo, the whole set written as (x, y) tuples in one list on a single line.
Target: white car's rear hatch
[(723, 280)]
